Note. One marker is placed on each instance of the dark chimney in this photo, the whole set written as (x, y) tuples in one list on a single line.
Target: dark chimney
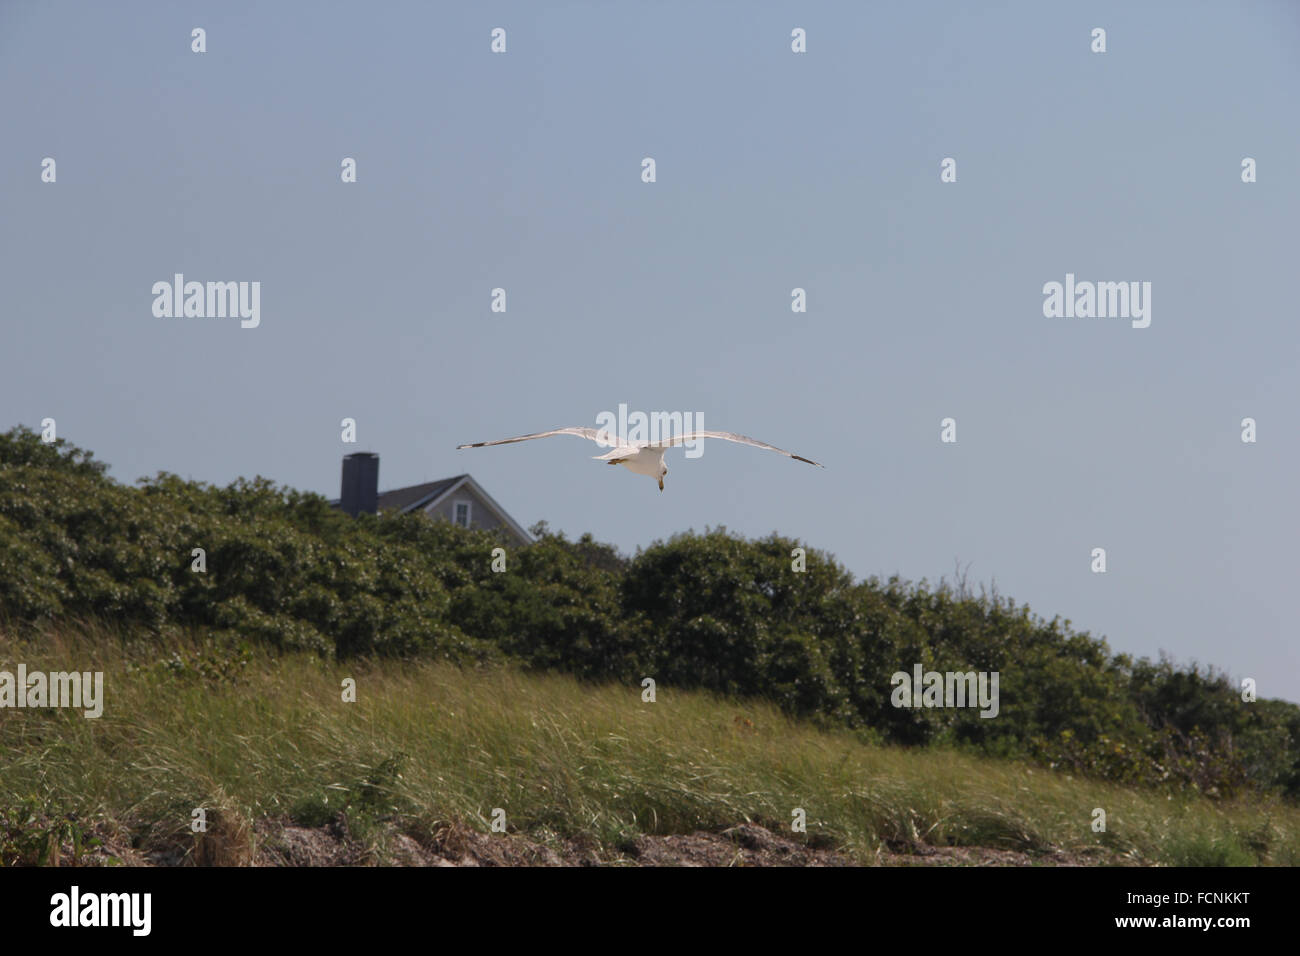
[(360, 483)]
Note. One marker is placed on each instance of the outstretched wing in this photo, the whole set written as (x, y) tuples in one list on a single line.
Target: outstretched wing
[(731, 436), (593, 434)]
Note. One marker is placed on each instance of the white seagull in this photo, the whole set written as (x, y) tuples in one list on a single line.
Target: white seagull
[(640, 457)]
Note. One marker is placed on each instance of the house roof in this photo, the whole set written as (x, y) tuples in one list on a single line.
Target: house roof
[(429, 494), (421, 497), (407, 499)]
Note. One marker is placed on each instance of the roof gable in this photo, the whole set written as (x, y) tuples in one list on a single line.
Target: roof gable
[(467, 483)]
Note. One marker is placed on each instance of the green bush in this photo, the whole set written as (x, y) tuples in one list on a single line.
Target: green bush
[(712, 610)]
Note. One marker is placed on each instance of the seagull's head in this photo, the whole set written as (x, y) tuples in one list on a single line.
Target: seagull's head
[(662, 471)]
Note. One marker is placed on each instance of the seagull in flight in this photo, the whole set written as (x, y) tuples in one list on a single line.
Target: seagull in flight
[(640, 457)]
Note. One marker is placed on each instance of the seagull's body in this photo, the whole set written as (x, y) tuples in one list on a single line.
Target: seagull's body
[(640, 457)]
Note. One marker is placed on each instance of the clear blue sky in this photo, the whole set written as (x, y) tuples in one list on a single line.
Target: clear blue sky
[(775, 171)]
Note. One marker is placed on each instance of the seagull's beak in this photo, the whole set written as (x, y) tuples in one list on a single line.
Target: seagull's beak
[(661, 484)]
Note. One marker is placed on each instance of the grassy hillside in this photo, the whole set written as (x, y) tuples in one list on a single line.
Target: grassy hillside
[(430, 748), (279, 569)]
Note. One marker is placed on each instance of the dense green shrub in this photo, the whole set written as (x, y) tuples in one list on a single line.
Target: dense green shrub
[(710, 610)]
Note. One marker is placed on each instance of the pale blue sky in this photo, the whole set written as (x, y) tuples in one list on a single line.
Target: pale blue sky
[(775, 170)]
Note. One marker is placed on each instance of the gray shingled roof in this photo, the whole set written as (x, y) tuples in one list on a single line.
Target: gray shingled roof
[(402, 498)]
